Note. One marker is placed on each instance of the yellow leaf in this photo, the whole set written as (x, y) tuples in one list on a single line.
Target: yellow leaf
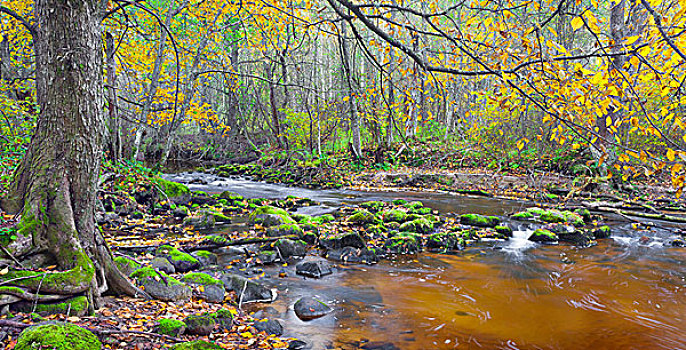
[(670, 154), (577, 23)]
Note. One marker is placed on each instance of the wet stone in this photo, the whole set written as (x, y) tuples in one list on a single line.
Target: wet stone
[(353, 255), (251, 291), (309, 308), (269, 326), (313, 269)]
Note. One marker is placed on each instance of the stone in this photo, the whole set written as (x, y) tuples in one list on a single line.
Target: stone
[(161, 286), (270, 216), (353, 255), (309, 308), (183, 262), (199, 324), (543, 236), (362, 217), (269, 326), (251, 290), (212, 289), (126, 265), (403, 243), (443, 242), (313, 269), (421, 225), (162, 264), (504, 230), (223, 318), (479, 220), (602, 232), (351, 239), (285, 230), (170, 327), (57, 336), (205, 258), (288, 248)]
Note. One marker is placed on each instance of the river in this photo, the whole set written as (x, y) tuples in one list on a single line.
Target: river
[(627, 292)]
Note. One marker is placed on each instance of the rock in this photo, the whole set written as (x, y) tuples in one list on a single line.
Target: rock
[(231, 196), (573, 218), (170, 327), (199, 324), (201, 198), (183, 262), (224, 318), (252, 291), (269, 326), (288, 248), (393, 215), (353, 255), (205, 258), (421, 225), (201, 221), (76, 306), (543, 236), (296, 345), (285, 230), (212, 289), (57, 336), (504, 230), (161, 286), (677, 242), (602, 232), (362, 217), (373, 206), (310, 308), (313, 269), (584, 213), (552, 216), (270, 216), (443, 242), (479, 220), (522, 215), (126, 265), (403, 243), (162, 264), (351, 239), (266, 257), (180, 212), (196, 345)]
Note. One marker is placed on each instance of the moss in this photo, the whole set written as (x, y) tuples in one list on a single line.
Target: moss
[(148, 272), (421, 225), (373, 206), (522, 215), (57, 336), (219, 240), (552, 216), (124, 263), (504, 230), (399, 202), (196, 345), (324, 218), (420, 211), (602, 232), (362, 216), (200, 278), (394, 215), (170, 327), (222, 313), (479, 220), (175, 254), (231, 196), (28, 225), (543, 235), (269, 210), (172, 189), (573, 218), (584, 213), (414, 205), (204, 254), (301, 218), (289, 229)]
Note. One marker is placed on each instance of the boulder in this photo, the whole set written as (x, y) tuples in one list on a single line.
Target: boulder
[(362, 217), (205, 258), (313, 269), (161, 286), (211, 289), (199, 324), (269, 326), (479, 220), (183, 262), (162, 264), (543, 236), (285, 230), (309, 308), (251, 290), (351, 239), (443, 242), (170, 327), (288, 248), (126, 265), (57, 336)]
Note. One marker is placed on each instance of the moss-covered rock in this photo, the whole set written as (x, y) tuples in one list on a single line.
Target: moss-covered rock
[(393, 215), (602, 232), (350, 239), (536, 211), (205, 257), (160, 285), (543, 236), (523, 215), (573, 218), (443, 242), (362, 217), (57, 336), (224, 318), (196, 345), (584, 213), (403, 243), (270, 216), (199, 324), (170, 327), (373, 206), (172, 189), (399, 202), (420, 211), (479, 220), (504, 230), (126, 265), (76, 306), (230, 196), (285, 230), (183, 262), (414, 205), (323, 219), (552, 216), (421, 225)]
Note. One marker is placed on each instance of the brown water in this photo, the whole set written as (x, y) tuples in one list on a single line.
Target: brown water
[(623, 293)]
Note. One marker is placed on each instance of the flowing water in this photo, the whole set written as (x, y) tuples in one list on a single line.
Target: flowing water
[(628, 292)]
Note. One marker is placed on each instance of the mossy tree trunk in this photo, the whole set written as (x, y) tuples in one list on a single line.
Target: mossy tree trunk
[(55, 186)]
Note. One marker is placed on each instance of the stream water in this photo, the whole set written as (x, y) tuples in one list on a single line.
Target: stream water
[(628, 292)]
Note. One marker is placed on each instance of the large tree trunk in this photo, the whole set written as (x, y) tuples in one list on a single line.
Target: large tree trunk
[(55, 186)]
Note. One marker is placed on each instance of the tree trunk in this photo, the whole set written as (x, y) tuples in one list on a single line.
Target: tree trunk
[(114, 143), (55, 186)]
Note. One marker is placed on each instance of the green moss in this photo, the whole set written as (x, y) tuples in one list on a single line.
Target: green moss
[(420, 211), (414, 205), (399, 202), (301, 218), (28, 225), (573, 218), (552, 216), (222, 313), (479, 220), (504, 230), (290, 229), (219, 240), (124, 263), (535, 210), (172, 189), (175, 254), (170, 327), (196, 345), (231, 196), (200, 278), (362, 216), (584, 213), (522, 215), (264, 210), (373, 206), (394, 215), (148, 272), (421, 225), (602, 232), (57, 336), (543, 235), (204, 254), (324, 218)]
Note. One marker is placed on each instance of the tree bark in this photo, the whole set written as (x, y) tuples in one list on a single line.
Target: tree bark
[(55, 186)]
